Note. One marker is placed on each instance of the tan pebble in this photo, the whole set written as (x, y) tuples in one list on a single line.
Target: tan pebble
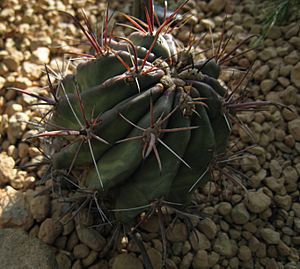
[(33, 151), (12, 108), (3, 69), (12, 151), (41, 55), (23, 150), (2, 82)]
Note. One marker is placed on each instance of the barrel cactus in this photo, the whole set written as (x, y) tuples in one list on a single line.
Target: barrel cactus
[(140, 120)]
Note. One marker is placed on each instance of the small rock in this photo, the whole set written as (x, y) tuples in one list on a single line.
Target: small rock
[(295, 75), (244, 253), (239, 214), (257, 201), (295, 40), (261, 73), (81, 251), (17, 126), (63, 261), (49, 230), (270, 236), (177, 233), (40, 207), (186, 261), (266, 85), (296, 209), (127, 261), (223, 245), (200, 260), (208, 227), (91, 238), (294, 127), (216, 6), (90, 258), (283, 201), (41, 55), (275, 168), (199, 241), (20, 250), (13, 209), (155, 258), (224, 208), (267, 54), (7, 171)]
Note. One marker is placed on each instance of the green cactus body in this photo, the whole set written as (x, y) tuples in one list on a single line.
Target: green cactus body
[(142, 123)]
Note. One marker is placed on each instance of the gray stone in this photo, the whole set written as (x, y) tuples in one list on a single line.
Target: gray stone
[(91, 238), (270, 236), (22, 251)]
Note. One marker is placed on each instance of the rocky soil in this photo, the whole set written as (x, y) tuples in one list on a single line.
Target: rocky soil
[(258, 228)]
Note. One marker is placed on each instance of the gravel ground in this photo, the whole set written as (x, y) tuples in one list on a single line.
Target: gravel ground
[(257, 228)]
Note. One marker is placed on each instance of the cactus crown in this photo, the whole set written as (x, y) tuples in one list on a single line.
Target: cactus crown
[(141, 121)]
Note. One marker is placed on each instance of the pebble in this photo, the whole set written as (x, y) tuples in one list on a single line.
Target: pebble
[(80, 251), (7, 171), (294, 128), (177, 233), (200, 260), (63, 261), (199, 241), (208, 227), (239, 214), (91, 238), (295, 75), (41, 55), (127, 261), (270, 236), (224, 208), (49, 230), (245, 253), (216, 6), (257, 201), (155, 258), (223, 245), (40, 207), (13, 209)]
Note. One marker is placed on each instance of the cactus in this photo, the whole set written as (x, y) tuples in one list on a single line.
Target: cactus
[(140, 120)]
